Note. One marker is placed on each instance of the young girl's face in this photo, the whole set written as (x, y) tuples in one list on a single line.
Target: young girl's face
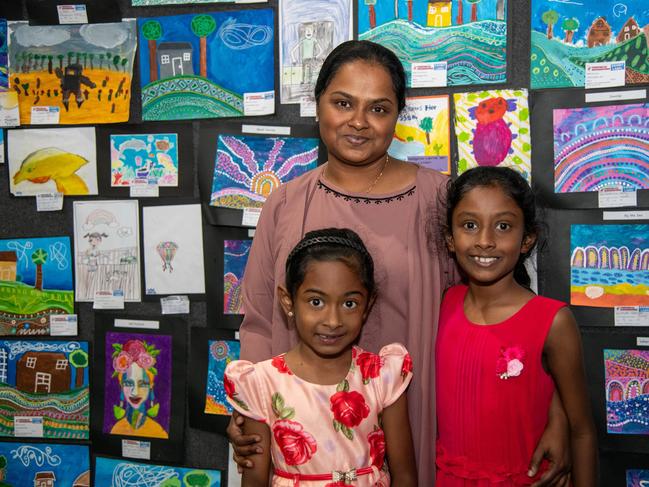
[(488, 234), (330, 307)]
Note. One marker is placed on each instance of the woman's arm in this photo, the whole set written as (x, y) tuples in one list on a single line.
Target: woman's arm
[(564, 356), (258, 474), (398, 443)]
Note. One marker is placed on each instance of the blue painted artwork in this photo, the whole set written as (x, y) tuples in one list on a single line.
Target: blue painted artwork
[(471, 36), (44, 464), (200, 65), (637, 478), (235, 258), (46, 382), (144, 159), (221, 353), (609, 265), (627, 391), (111, 472), (248, 168), (35, 284), (566, 35)]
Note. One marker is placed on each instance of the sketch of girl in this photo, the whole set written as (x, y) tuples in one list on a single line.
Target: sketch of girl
[(92, 254), (134, 366)]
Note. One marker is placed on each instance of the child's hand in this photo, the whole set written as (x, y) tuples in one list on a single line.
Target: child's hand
[(243, 445)]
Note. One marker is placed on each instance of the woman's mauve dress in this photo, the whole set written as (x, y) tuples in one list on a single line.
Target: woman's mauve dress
[(410, 273)]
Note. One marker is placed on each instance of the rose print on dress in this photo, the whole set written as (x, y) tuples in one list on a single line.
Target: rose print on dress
[(510, 363), (376, 439), (228, 385), (279, 363), (297, 445), (349, 409), (406, 368), (369, 365)]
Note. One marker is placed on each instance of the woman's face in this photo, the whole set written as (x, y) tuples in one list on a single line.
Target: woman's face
[(358, 112), (136, 386)]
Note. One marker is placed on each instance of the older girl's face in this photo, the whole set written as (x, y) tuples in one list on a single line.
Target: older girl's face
[(358, 112)]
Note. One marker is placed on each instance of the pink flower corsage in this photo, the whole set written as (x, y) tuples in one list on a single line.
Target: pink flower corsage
[(510, 363)]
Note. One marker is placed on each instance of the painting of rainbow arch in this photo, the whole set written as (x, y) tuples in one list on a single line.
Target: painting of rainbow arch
[(182, 60), (111, 472), (44, 385), (35, 284), (637, 478), (249, 168), (609, 265), (470, 35), (221, 353), (598, 148), (44, 464), (235, 258), (627, 391), (83, 71), (566, 35)]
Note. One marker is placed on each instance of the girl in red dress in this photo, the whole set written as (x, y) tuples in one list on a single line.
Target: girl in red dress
[(501, 350)]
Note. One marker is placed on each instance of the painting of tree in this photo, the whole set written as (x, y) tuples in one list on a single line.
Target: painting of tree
[(39, 257), (426, 125), (371, 12), (79, 360), (474, 9), (152, 30), (202, 26), (569, 26), (550, 18)]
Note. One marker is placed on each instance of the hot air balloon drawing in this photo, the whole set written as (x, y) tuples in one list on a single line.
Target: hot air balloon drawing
[(167, 252)]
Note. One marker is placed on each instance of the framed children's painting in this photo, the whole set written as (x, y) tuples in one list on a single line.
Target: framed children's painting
[(238, 170), (140, 379), (173, 250), (107, 249), (44, 464), (44, 390), (147, 154), (212, 350), (35, 284), (586, 151), (59, 160), (117, 472)]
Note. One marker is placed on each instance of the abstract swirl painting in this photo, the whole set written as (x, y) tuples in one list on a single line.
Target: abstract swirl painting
[(597, 148), (609, 265), (248, 169), (627, 391)]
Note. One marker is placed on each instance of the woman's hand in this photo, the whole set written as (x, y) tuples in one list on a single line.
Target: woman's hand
[(243, 445), (554, 445)]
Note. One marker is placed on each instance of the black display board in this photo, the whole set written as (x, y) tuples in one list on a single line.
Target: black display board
[(45, 12)]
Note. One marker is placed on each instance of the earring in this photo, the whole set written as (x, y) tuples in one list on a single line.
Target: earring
[(317, 119), (290, 314)]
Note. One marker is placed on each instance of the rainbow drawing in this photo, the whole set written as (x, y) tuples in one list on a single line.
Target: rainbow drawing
[(598, 148)]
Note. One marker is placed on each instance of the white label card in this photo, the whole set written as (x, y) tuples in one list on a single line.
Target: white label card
[(175, 305), (611, 198), (262, 103), (125, 323), (136, 449), (307, 106), (30, 426), (641, 341), (605, 75), (49, 201), (616, 96), (72, 14), (45, 116), (144, 191), (425, 75), (64, 325), (109, 300), (9, 113), (632, 316), (250, 217), (265, 129), (626, 215)]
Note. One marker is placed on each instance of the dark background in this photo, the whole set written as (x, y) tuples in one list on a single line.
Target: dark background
[(208, 449)]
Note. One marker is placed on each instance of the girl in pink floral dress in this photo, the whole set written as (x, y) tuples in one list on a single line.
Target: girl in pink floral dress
[(329, 413), (501, 349)]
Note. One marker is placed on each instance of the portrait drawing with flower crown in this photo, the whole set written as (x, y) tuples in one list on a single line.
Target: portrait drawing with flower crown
[(137, 396)]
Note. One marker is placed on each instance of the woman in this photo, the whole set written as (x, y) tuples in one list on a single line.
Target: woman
[(359, 93)]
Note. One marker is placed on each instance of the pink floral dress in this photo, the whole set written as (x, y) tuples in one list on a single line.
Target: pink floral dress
[(323, 435)]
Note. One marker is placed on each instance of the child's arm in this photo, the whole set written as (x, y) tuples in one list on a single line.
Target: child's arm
[(398, 443), (564, 356), (257, 475)]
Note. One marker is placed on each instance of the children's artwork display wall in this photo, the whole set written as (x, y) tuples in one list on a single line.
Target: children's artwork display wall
[(36, 464)]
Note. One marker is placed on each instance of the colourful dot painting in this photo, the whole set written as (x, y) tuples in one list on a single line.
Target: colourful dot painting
[(221, 353)]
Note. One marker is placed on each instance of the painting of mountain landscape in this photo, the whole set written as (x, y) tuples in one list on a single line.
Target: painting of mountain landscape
[(568, 34), (470, 35)]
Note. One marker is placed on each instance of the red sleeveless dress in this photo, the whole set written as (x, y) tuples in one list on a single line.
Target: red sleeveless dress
[(493, 395)]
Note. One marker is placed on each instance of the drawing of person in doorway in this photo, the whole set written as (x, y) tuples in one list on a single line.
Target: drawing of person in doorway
[(307, 52), (93, 253)]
